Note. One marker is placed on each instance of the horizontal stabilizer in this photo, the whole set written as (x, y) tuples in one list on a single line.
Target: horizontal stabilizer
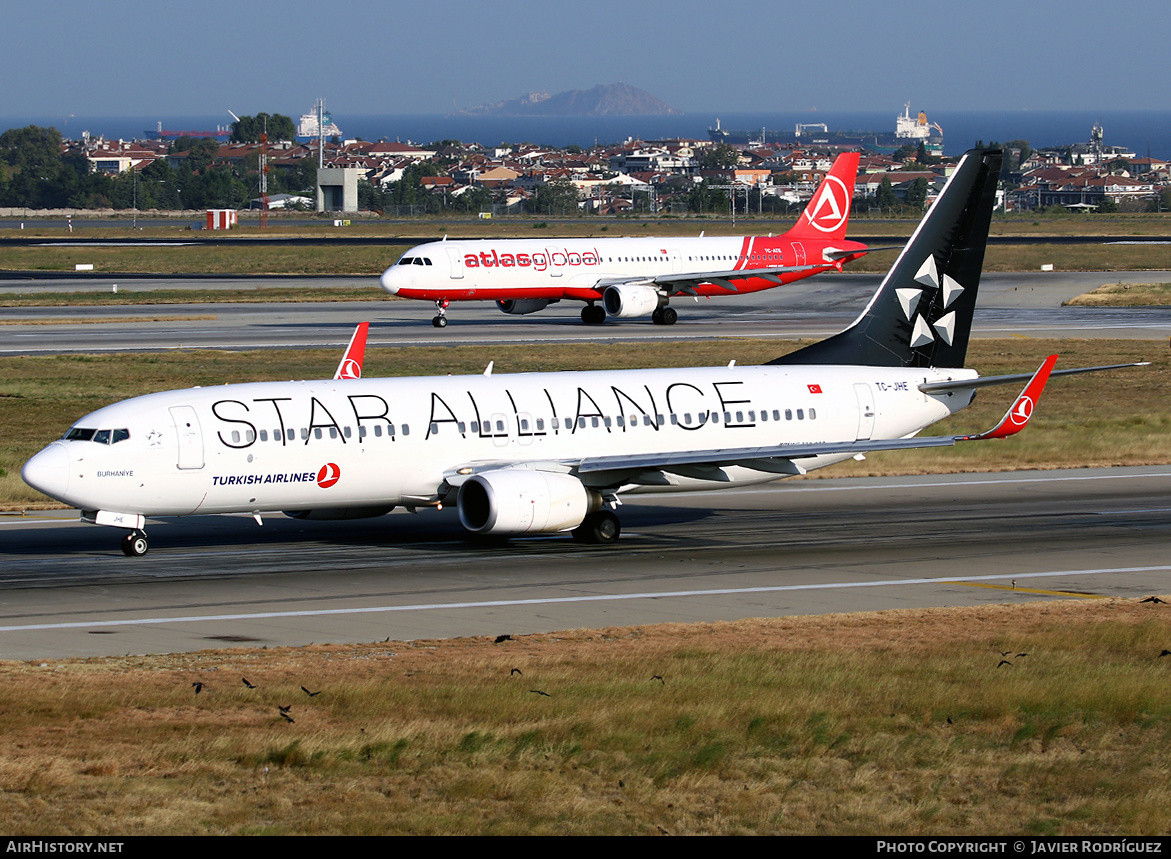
[(949, 387)]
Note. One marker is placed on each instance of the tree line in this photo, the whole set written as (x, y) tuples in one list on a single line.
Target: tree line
[(35, 174)]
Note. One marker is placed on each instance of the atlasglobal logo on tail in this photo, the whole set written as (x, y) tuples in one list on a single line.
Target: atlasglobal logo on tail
[(831, 207), (328, 475)]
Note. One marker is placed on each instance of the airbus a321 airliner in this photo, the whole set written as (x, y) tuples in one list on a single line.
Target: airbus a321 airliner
[(553, 452), (631, 276)]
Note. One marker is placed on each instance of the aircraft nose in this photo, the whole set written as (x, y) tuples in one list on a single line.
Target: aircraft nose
[(48, 471), (388, 281)]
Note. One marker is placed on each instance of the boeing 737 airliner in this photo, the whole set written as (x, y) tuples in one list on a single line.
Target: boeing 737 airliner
[(631, 276), (549, 452)]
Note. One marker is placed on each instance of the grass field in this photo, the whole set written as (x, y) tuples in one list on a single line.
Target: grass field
[(1117, 418), (896, 723)]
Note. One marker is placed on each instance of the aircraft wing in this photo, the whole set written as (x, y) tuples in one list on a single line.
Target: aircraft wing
[(650, 468), (688, 282)]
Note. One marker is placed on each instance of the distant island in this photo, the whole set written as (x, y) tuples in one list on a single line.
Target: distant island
[(602, 100)]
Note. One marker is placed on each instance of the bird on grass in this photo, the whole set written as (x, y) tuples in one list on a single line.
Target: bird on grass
[(310, 694), (197, 686), (539, 692), (246, 683)]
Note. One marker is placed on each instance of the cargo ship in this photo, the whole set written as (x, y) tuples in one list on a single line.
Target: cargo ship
[(909, 130)]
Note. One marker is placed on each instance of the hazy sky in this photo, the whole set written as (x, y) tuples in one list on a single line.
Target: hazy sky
[(138, 58)]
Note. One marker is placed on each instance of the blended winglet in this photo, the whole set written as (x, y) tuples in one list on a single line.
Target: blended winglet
[(351, 363), (1017, 417)]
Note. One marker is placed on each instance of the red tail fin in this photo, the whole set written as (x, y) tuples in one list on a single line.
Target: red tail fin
[(828, 212), (351, 364)]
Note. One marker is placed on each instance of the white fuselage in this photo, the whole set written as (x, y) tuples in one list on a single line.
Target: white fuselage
[(574, 268), (354, 443)]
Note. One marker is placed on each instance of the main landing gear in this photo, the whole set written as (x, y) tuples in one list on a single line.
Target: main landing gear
[(440, 320), (593, 314), (599, 527), (135, 544), (664, 316)]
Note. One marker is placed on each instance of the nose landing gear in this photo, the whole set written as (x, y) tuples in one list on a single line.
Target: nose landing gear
[(440, 320), (135, 544)]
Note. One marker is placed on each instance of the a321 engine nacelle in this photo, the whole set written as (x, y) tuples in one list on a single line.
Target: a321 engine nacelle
[(330, 514), (521, 306), (518, 501), (624, 300)]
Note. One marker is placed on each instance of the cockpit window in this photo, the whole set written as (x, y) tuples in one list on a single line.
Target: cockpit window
[(406, 260), (98, 436)]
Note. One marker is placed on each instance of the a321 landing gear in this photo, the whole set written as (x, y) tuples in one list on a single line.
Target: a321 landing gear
[(599, 527), (593, 314), (664, 316), (135, 544), (440, 321)]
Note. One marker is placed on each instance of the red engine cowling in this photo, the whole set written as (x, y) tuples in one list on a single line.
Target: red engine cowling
[(518, 501)]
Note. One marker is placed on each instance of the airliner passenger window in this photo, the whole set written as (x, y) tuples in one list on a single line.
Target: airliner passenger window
[(813, 414), (264, 435)]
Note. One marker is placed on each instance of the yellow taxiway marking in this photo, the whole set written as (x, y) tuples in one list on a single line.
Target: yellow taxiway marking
[(1083, 596)]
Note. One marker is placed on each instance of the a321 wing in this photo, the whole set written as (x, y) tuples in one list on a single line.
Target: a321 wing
[(688, 283)]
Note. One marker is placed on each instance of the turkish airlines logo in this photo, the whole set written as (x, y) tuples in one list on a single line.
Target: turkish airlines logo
[(328, 475), (1022, 410), (814, 389), (828, 211), (351, 369)]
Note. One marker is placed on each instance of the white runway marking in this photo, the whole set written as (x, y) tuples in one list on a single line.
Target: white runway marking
[(150, 621)]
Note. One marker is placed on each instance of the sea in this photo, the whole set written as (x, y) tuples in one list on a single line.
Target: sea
[(1143, 132)]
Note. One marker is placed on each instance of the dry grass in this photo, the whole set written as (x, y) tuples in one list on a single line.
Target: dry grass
[(1125, 295), (1099, 419), (897, 722)]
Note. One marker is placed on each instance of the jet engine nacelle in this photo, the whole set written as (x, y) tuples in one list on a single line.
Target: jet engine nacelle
[(624, 300), (329, 514), (520, 306), (518, 501)]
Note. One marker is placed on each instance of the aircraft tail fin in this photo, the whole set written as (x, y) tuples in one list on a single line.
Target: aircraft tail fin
[(351, 363), (921, 315), (828, 212)]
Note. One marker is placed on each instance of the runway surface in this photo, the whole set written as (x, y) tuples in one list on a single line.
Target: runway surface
[(1026, 305), (797, 547)]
